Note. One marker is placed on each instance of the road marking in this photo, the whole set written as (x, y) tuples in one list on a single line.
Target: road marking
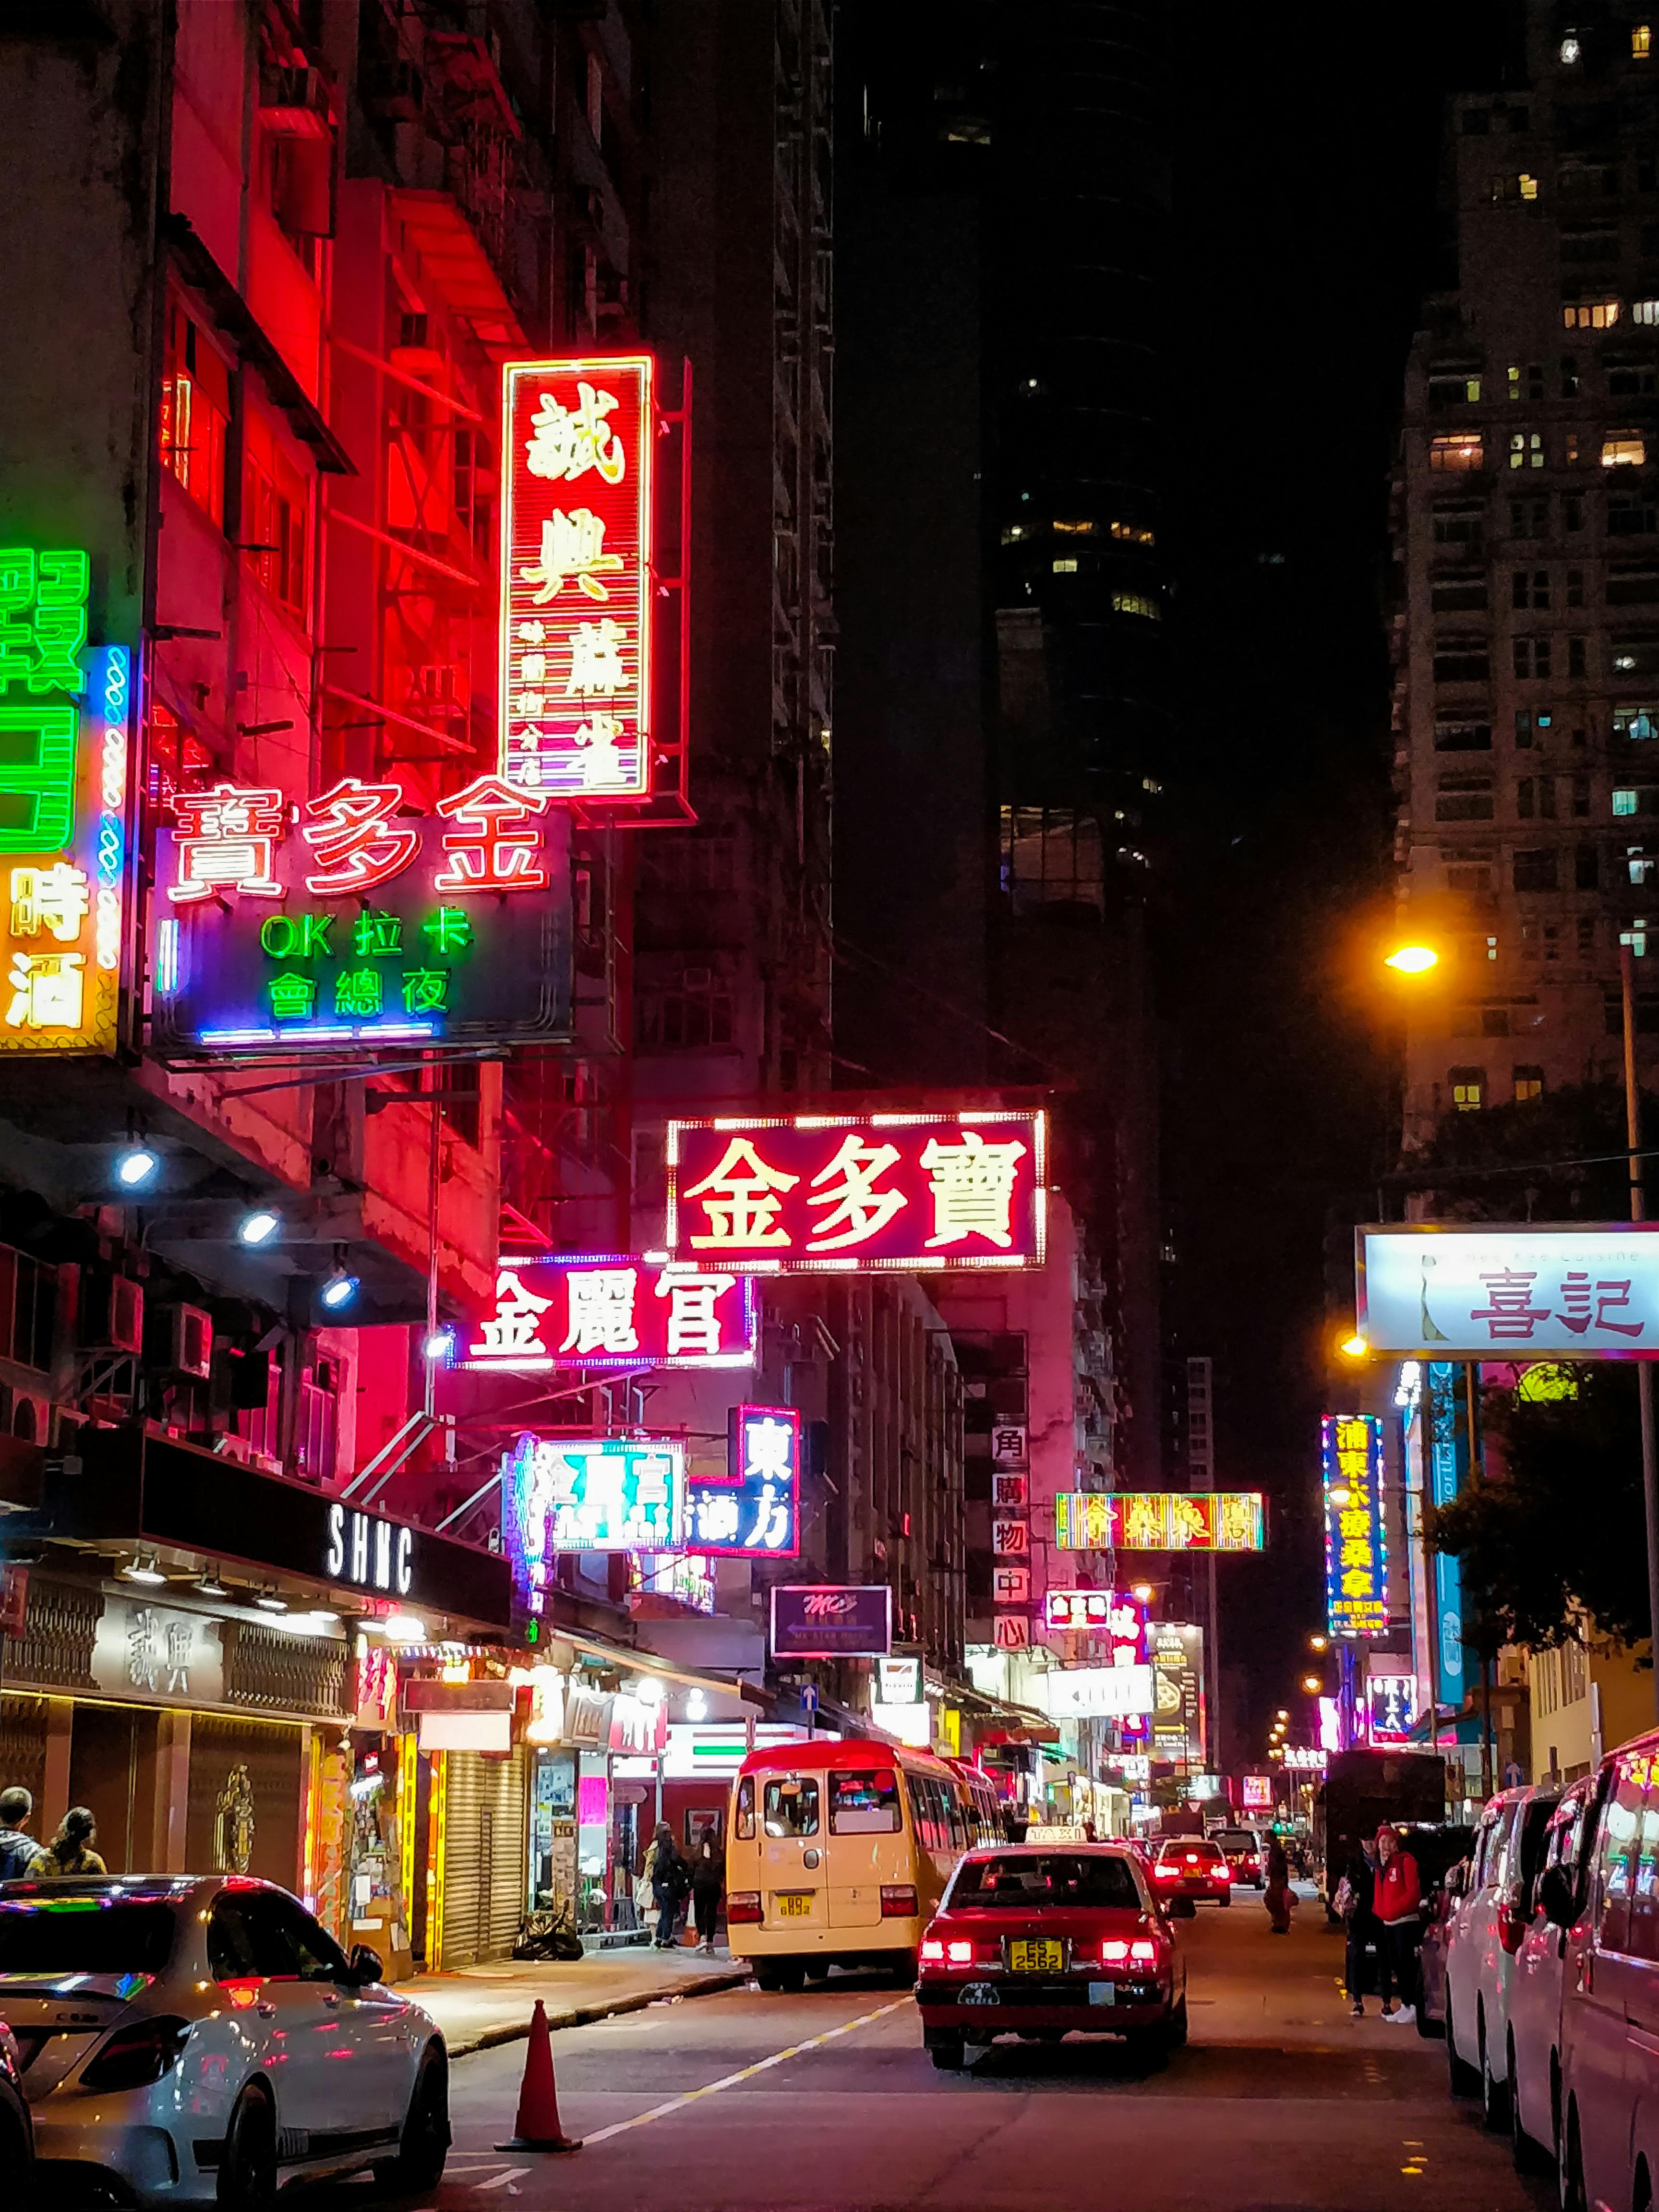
[(744, 2073), (507, 2173)]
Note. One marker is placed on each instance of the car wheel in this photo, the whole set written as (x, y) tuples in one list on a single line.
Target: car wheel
[(1529, 2156), (792, 1974), (1175, 2034), (818, 1970), (1427, 2028), (425, 2143), (1570, 2166), (948, 2053), (766, 1976), (1461, 2079), (1494, 2094), (248, 2169)]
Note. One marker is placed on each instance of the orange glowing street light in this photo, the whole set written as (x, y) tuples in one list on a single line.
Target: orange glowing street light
[(1313, 1684), (1412, 959)]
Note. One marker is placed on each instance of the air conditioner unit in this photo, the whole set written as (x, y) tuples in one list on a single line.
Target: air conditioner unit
[(294, 102), (193, 1341), (126, 1315)]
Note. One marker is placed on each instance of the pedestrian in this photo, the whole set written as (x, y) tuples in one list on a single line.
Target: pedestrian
[(1399, 1907), (707, 1880), (70, 1850), (1354, 1903), (1278, 1897), (20, 1855), (670, 1880)]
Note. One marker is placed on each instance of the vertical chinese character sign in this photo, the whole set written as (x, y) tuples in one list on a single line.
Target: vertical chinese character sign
[(576, 577), (1356, 1549), (65, 712)]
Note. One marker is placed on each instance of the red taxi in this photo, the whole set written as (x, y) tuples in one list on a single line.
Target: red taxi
[(1032, 1941), (1192, 1867)]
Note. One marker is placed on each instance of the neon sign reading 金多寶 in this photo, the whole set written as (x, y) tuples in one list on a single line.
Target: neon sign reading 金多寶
[(64, 716), (578, 435), (612, 1310)]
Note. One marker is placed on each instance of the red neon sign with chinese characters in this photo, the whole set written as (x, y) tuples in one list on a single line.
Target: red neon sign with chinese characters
[(858, 1194), (577, 576), (599, 1309)]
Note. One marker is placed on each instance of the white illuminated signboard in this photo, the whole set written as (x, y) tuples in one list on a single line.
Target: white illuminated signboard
[(1081, 1693), (1510, 1293)]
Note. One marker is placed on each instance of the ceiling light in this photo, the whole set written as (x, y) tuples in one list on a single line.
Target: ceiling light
[(260, 1227), (696, 1706), (135, 1167), (210, 1586), (403, 1628), (440, 1346), (142, 1569), (339, 1290), (269, 1601)]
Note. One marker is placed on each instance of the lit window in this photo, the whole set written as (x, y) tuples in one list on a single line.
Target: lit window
[(1528, 1085), (1526, 449), (1014, 532), (1628, 451), (1641, 867), (1076, 529), (1641, 41), (1644, 311), (1624, 802), (1066, 568), (1520, 187), (274, 501), (1469, 1087), (1137, 603), (1590, 314), (1135, 533), (1455, 450), (1571, 49), (195, 412), (1638, 724)]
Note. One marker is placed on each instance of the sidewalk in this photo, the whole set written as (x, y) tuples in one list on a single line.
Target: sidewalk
[(484, 2005)]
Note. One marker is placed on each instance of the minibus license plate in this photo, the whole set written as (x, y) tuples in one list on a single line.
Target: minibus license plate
[(794, 1904), (1037, 1957)]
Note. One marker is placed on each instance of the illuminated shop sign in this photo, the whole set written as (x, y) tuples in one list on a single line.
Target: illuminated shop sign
[(1391, 1707), (754, 1512), (1177, 1660), (591, 1494), (1356, 1546), (1511, 1293), (576, 577), (1079, 1692), (351, 919), (1103, 1613), (831, 1621), (855, 1194), (1258, 1793), (372, 1553), (605, 1309), (1305, 1759), (65, 712), (1159, 1521)]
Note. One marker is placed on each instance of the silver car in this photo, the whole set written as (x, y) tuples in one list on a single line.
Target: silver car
[(202, 2041)]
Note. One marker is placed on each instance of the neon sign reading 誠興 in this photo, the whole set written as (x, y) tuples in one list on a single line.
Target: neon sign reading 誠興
[(576, 577)]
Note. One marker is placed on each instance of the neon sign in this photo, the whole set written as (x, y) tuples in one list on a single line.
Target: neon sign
[(1355, 1541), (609, 1310), (350, 918), (828, 1193), (578, 438), (64, 716), (1159, 1521), (591, 1494), (753, 1512)]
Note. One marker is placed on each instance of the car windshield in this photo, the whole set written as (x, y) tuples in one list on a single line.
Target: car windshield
[(1037, 1880), (105, 1934), (1235, 1840), (1184, 1848)]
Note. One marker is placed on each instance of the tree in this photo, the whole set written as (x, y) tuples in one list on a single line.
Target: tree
[(1532, 1161), (1561, 1533)]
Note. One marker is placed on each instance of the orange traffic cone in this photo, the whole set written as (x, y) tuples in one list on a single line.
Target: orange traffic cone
[(536, 2127)]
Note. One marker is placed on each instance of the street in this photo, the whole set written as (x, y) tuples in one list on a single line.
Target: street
[(1279, 2100)]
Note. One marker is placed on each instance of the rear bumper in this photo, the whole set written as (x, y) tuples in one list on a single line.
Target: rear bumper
[(804, 1941), (139, 2164), (1046, 2005)]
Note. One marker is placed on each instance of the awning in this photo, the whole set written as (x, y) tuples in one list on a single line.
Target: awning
[(627, 1658)]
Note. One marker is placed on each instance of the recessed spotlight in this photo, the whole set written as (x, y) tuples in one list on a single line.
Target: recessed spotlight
[(136, 1167), (210, 1585), (339, 1290), (142, 1570), (260, 1227), (269, 1601)]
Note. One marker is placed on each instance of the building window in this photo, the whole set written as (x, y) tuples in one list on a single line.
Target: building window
[(1625, 800), (1641, 41), (1080, 530), (1581, 798), (1586, 872), (1137, 603), (273, 514), (174, 759), (1469, 881), (1631, 514), (1529, 518), (1462, 737), (1458, 590), (1453, 388), (1494, 1021), (1516, 187), (1632, 587), (1526, 449), (1455, 450), (1626, 449), (1530, 588), (1635, 656), (1569, 377), (1636, 725), (1575, 656), (1641, 865), (1535, 871), (1632, 379), (697, 1012), (1463, 798), (1528, 1085), (1133, 534), (195, 412), (1523, 798), (1574, 587), (1589, 244), (1644, 311), (1066, 568), (1460, 522), (1531, 657), (1585, 926), (1461, 661), (1590, 314), (1469, 1087)]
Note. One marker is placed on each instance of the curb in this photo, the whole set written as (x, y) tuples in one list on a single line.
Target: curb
[(583, 2015)]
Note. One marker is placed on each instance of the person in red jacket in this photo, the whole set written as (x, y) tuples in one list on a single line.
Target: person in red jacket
[(1398, 1905)]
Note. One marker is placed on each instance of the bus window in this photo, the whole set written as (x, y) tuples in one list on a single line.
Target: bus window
[(864, 1804), (745, 1827), (791, 1805), (961, 1817)]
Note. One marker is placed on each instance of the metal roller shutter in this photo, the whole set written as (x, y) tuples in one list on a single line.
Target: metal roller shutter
[(485, 1843)]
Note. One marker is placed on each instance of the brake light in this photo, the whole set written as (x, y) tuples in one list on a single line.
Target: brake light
[(1144, 1952), (898, 1901), (1165, 1872), (743, 1905), (933, 1951), (1113, 1953), (960, 1954), (136, 2055)]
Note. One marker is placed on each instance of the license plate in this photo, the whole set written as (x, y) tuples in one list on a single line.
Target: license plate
[(793, 1904), (1103, 1993), (979, 1993), (1037, 1957)]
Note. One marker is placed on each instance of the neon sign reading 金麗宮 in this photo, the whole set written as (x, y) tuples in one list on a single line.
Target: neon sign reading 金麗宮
[(351, 918), (577, 576)]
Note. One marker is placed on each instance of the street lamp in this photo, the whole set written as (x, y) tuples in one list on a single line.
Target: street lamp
[(1412, 959), (1317, 1643), (1313, 1684)]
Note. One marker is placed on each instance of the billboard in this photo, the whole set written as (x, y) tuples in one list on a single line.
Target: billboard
[(824, 1621), (1101, 1613), (1505, 1293), (354, 918), (1391, 1707), (832, 1193), (753, 1512), (65, 716), (590, 1494), (1159, 1521), (1077, 1692), (1356, 1539), (1258, 1793), (1447, 1428), (1176, 1651), (578, 438), (610, 1310)]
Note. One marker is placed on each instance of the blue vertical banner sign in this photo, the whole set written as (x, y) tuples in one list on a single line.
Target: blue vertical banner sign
[(1448, 1471)]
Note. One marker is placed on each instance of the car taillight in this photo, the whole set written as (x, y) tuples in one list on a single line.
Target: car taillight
[(1113, 1953), (1144, 1952), (898, 1901), (743, 1904), (136, 2055), (933, 1951), (960, 1954), (1165, 1872)]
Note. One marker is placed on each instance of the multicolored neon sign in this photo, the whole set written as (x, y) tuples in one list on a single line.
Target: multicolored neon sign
[(65, 712), (590, 1494), (577, 436), (1103, 1613), (1159, 1521), (753, 1512), (826, 1193), (351, 919), (610, 1310), (1355, 1541)]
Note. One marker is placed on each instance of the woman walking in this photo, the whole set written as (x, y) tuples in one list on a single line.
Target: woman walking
[(670, 1880), (1278, 1897), (707, 1880), (70, 1850)]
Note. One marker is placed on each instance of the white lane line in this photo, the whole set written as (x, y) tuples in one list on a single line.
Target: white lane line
[(743, 2073), (508, 2173)]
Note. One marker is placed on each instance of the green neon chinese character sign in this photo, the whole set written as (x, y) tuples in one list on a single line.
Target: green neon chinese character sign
[(296, 936), (293, 998), (43, 628), (358, 992), (426, 991), (449, 930), (377, 933)]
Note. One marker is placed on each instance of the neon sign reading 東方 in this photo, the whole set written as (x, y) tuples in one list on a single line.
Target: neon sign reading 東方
[(577, 576), (858, 1194), (351, 917), (754, 1511), (609, 1310)]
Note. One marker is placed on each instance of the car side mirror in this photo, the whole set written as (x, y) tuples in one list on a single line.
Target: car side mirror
[(1555, 1895), (365, 1966)]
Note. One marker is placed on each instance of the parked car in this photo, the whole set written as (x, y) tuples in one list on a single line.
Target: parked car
[(181, 2042), (16, 2130), (1191, 1869), (1243, 1850), (1485, 1923), (1036, 1940), (1534, 2063)]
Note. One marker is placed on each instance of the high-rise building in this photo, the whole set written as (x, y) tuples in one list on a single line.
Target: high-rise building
[(1526, 618)]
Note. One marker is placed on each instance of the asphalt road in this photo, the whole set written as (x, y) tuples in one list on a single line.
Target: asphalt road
[(828, 2100)]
